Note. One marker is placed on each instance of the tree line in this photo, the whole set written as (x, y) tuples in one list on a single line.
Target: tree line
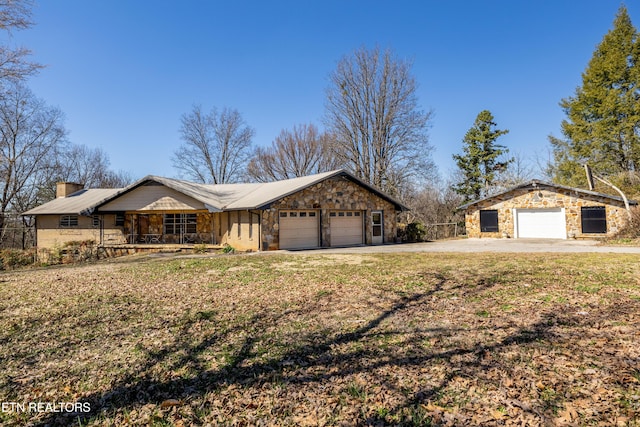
[(35, 151), (373, 126)]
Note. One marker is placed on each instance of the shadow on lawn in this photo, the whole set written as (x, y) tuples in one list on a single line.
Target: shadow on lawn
[(141, 387)]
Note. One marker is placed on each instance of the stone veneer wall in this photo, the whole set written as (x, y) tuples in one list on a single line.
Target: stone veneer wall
[(540, 198), (337, 193)]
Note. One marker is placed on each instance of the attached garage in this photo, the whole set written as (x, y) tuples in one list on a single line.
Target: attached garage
[(346, 228), (540, 223), (292, 213), (299, 229)]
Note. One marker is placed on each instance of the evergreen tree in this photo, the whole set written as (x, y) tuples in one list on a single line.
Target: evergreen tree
[(480, 163), (603, 117)]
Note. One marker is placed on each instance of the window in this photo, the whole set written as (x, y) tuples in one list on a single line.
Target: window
[(69, 221), (119, 219), (489, 221), (312, 213), (303, 214), (376, 223), (283, 214), (180, 223), (95, 221), (594, 219)]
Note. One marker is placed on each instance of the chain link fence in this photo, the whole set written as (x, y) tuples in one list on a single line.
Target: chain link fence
[(17, 233), (443, 230)]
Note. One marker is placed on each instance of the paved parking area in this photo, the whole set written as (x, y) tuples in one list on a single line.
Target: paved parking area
[(487, 245)]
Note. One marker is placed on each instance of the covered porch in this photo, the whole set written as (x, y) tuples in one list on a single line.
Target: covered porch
[(169, 228)]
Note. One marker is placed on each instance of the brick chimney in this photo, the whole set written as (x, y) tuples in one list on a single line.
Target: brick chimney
[(63, 189)]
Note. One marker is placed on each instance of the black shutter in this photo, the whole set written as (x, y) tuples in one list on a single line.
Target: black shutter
[(489, 221), (594, 219)]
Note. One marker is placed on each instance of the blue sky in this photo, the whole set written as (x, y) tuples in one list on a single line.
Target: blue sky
[(124, 72)]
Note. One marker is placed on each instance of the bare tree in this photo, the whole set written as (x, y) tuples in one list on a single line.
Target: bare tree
[(297, 152), (435, 207), (518, 171), (15, 15), (89, 166), (216, 148), (81, 164), (31, 134), (115, 179), (373, 111)]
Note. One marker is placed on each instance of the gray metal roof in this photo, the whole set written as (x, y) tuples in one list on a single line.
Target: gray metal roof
[(222, 197), (80, 202), (536, 183), (216, 197)]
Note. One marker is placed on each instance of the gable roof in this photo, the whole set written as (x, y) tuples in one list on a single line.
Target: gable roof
[(81, 202), (225, 197), (534, 183), (215, 197)]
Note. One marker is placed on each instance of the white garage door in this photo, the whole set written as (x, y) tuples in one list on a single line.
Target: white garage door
[(541, 223), (299, 229), (346, 228)]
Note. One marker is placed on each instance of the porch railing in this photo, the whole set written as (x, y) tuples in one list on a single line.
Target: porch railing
[(180, 239)]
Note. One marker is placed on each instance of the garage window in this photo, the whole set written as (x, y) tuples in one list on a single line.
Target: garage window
[(594, 219), (489, 221)]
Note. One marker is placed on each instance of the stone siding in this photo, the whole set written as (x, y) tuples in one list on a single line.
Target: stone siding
[(337, 193), (545, 197)]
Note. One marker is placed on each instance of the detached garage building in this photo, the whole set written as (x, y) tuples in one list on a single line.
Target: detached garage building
[(328, 209), (538, 209)]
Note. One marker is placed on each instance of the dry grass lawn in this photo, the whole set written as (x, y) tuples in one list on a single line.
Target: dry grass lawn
[(407, 339)]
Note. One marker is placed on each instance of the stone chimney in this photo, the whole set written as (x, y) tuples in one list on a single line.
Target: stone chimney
[(63, 189)]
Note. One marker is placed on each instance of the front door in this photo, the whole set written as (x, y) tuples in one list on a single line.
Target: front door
[(377, 228)]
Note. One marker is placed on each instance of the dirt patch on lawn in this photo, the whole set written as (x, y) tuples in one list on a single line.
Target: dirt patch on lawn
[(308, 262)]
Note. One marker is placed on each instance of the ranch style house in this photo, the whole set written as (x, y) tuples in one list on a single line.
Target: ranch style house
[(323, 210)]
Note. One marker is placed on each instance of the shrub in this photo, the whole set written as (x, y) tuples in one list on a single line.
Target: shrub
[(14, 258), (415, 232), (200, 248), (79, 251), (228, 249), (631, 228)]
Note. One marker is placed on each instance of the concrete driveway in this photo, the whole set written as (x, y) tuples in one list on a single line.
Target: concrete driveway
[(486, 245)]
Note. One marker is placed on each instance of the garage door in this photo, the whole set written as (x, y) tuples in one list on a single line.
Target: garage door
[(541, 223), (299, 229), (346, 228)]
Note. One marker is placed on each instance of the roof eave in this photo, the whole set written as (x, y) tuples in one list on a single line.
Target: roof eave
[(536, 182), (340, 172)]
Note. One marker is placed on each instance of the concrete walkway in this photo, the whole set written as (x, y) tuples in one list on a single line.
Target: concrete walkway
[(485, 245)]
